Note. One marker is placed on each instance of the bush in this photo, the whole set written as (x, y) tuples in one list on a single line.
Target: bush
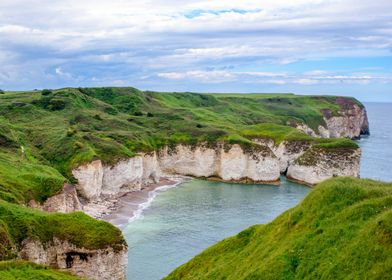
[(2, 91), (46, 92), (56, 104), (150, 115)]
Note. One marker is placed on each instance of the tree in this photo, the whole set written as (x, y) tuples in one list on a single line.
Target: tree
[(2, 91)]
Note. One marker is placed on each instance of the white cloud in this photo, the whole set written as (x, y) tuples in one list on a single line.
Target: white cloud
[(131, 40)]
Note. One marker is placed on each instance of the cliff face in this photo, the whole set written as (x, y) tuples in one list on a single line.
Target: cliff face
[(350, 121), (317, 165), (65, 201), (104, 264), (229, 163), (262, 163)]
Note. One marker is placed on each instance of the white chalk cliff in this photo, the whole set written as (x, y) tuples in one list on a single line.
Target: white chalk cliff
[(317, 165), (350, 121), (100, 264)]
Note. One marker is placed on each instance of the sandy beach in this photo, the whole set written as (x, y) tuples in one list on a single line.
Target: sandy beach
[(120, 211)]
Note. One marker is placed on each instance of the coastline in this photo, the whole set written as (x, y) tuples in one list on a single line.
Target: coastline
[(130, 206)]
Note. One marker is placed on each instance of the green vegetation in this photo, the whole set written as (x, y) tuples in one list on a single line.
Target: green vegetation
[(18, 223), (12, 270), (44, 134), (64, 128), (342, 230)]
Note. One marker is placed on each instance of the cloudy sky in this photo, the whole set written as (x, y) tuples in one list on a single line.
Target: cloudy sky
[(301, 46)]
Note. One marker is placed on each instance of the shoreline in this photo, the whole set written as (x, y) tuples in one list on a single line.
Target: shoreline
[(129, 207)]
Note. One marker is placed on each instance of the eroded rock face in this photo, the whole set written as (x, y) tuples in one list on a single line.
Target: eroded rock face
[(262, 164), (350, 122), (65, 201), (317, 165), (197, 161), (96, 180), (230, 163), (104, 264), (286, 152), (90, 179)]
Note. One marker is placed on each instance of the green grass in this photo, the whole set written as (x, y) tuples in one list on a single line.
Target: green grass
[(276, 132), (24, 180), (342, 230), (64, 128), (72, 126), (18, 223), (11, 270)]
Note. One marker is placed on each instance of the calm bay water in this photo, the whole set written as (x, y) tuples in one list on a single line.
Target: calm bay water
[(183, 221)]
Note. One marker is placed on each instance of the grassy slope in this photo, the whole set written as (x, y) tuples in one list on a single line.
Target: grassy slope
[(18, 223), (342, 230), (29, 271), (72, 126)]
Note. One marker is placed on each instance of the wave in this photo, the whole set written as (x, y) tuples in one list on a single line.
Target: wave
[(138, 213)]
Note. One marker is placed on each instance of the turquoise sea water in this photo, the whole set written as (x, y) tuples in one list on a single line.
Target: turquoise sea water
[(183, 221)]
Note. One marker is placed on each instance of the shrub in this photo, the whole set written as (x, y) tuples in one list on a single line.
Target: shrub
[(56, 104), (46, 92), (150, 115), (2, 91)]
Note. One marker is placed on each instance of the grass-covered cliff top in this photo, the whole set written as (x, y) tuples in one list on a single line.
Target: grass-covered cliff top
[(60, 129), (18, 223), (11, 270), (342, 230)]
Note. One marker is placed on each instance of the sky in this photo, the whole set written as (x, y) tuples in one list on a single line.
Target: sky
[(339, 47)]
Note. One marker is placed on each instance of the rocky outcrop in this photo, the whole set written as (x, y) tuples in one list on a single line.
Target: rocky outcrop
[(227, 162), (90, 178), (103, 264), (65, 201), (96, 180), (317, 165), (286, 151), (350, 121)]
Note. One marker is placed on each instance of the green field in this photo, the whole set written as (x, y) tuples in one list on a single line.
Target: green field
[(342, 230)]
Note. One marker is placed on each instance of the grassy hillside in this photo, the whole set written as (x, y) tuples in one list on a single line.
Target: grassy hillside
[(44, 134), (61, 129), (29, 271), (342, 230)]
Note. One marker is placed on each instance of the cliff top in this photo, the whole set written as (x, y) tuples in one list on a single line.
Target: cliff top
[(342, 230), (60, 129)]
